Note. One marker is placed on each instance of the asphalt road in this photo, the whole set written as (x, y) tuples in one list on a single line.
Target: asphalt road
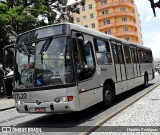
[(73, 123)]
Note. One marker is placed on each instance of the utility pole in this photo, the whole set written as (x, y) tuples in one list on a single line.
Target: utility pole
[(154, 5)]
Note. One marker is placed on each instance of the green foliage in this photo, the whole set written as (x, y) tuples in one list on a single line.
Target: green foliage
[(18, 16)]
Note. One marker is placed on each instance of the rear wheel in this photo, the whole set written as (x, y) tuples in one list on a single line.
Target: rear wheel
[(108, 95), (146, 80)]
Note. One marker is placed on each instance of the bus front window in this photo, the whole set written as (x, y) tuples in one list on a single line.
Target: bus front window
[(24, 68), (51, 64)]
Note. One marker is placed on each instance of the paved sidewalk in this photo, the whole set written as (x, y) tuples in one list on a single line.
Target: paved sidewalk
[(142, 115), (6, 103)]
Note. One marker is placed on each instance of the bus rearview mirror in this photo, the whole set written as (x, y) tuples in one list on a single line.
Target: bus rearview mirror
[(1, 66), (87, 47)]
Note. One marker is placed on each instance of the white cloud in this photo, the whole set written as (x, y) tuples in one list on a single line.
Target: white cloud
[(149, 18), (72, 2)]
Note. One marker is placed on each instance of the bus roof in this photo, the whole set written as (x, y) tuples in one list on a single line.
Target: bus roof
[(91, 32), (106, 36)]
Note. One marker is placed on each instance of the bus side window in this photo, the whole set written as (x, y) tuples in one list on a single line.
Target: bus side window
[(146, 58), (85, 54), (127, 54), (102, 52), (135, 54), (120, 54), (115, 56), (150, 57)]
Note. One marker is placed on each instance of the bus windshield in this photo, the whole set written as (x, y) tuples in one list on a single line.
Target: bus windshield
[(43, 63)]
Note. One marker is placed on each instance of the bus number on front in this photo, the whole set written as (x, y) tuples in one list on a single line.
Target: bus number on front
[(20, 96)]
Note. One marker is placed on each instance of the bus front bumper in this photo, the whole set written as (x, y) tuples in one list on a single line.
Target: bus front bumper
[(46, 107)]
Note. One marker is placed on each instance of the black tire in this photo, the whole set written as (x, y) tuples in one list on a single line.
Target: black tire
[(108, 95), (145, 80)]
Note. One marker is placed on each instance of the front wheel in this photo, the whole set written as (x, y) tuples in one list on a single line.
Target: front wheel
[(108, 95)]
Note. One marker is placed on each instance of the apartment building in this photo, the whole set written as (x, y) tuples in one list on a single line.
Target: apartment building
[(119, 18)]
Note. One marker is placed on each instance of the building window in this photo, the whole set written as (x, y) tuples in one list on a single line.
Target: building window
[(106, 22), (78, 19), (126, 38), (124, 19), (83, 8), (90, 6), (122, 9), (103, 2), (84, 17), (125, 28), (93, 25), (105, 12), (91, 16), (108, 32), (86, 26)]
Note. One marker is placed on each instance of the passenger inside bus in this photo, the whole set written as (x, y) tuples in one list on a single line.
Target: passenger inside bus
[(80, 67)]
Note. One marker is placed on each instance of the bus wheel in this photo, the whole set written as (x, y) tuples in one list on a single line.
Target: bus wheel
[(108, 95), (145, 80)]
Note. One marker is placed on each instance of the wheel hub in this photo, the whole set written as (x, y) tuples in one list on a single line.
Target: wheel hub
[(108, 95)]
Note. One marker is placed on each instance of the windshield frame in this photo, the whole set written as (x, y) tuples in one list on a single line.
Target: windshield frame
[(35, 88)]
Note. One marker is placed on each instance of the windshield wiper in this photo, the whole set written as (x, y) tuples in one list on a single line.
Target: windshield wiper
[(46, 45), (25, 49), (17, 46)]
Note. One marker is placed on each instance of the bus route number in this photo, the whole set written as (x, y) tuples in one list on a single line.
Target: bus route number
[(20, 96)]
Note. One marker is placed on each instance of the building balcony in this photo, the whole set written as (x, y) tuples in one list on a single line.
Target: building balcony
[(116, 14), (125, 33), (117, 25), (115, 4)]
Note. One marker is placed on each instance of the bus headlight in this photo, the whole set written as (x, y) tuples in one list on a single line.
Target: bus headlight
[(19, 102), (63, 99), (57, 100), (60, 99)]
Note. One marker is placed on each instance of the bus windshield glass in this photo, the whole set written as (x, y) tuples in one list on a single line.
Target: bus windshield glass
[(43, 63)]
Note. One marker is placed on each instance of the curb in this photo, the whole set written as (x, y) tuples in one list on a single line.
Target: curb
[(97, 125), (7, 108)]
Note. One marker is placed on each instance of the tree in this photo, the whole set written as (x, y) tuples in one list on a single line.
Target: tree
[(4, 34), (18, 16), (22, 15), (63, 9)]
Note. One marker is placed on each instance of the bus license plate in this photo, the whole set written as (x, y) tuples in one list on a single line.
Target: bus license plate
[(40, 109)]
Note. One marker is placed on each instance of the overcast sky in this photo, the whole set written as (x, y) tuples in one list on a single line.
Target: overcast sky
[(150, 26)]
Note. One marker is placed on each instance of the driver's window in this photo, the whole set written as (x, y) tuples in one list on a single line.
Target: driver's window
[(83, 59)]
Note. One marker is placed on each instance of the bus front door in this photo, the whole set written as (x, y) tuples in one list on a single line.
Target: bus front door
[(85, 73)]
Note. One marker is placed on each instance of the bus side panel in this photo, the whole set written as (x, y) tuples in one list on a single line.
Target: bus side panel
[(118, 72), (74, 105), (90, 93), (130, 71), (146, 67), (94, 88)]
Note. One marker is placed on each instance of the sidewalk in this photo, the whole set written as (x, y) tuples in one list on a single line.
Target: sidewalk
[(6, 103), (138, 119)]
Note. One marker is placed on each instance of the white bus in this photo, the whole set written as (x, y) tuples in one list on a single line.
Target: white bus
[(67, 68)]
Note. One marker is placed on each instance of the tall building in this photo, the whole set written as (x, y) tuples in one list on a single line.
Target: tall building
[(119, 18)]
